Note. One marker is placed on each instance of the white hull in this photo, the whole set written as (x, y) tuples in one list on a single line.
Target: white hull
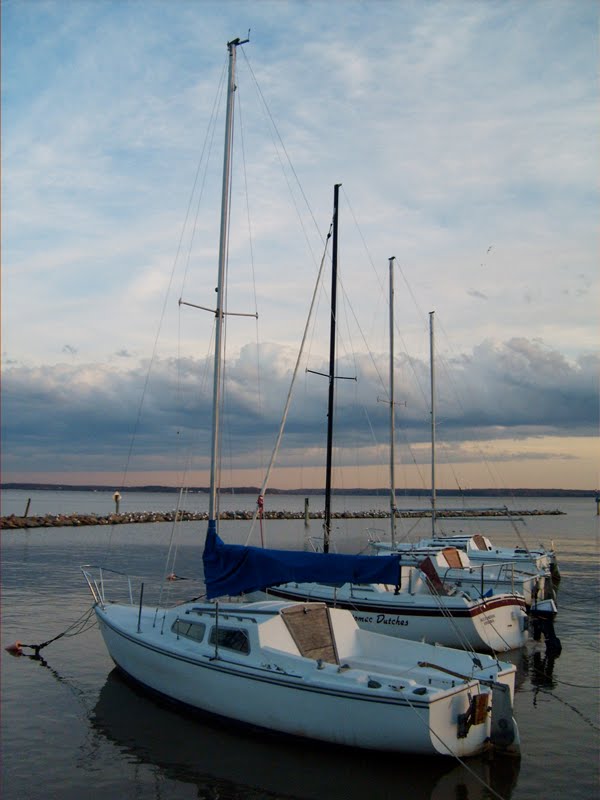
[(299, 696), (496, 625), (477, 579)]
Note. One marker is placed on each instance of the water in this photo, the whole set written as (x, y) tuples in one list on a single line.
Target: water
[(72, 728)]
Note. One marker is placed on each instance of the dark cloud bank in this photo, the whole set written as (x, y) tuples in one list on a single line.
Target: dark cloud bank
[(90, 418)]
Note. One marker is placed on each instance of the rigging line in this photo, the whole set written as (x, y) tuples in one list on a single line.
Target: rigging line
[(381, 288), (408, 445), (222, 306), (208, 141), (460, 760), (412, 361), (447, 613), (252, 267), (494, 475), (294, 374), (379, 281), (171, 552), (291, 166), (515, 527), (156, 339), (381, 465), (362, 335)]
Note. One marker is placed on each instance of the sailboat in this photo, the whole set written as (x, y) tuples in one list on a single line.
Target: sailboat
[(472, 563), (299, 668), (420, 606)]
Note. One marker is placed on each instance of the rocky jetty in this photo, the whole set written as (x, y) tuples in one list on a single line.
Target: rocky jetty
[(13, 522)]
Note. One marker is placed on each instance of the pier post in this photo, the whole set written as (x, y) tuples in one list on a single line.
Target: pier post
[(306, 517), (598, 505), (27, 507), (117, 499)]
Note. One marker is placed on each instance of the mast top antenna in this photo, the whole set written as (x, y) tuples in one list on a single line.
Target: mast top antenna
[(238, 41)]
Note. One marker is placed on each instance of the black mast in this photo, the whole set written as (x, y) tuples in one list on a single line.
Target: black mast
[(328, 469)]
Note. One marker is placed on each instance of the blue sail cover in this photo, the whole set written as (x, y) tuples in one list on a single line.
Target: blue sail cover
[(231, 569)]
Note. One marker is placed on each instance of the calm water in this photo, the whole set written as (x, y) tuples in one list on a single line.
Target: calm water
[(71, 728)]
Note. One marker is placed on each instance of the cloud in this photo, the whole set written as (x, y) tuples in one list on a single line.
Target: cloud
[(464, 147), (86, 417), (477, 295)]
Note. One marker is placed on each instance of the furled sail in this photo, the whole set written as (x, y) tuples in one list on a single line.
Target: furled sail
[(231, 569)]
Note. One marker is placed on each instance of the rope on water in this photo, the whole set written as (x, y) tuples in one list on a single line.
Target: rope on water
[(549, 693), (80, 625)]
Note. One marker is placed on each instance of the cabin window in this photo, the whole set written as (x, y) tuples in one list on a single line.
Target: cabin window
[(230, 638), (191, 630)]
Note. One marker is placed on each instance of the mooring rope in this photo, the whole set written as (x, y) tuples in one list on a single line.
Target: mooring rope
[(80, 625)]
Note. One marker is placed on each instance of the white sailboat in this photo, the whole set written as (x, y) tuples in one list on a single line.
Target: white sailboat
[(472, 563), (419, 606), (300, 668), (479, 576), (480, 549)]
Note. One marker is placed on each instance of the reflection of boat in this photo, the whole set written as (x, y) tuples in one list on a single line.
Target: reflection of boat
[(419, 607), (534, 665), (240, 765), (299, 668)]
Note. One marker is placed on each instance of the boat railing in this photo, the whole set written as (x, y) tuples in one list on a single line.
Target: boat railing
[(508, 568), (98, 577), (491, 575), (316, 544)]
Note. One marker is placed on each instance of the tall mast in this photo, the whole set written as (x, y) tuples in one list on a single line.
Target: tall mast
[(219, 313), (328, 468), (432, 373), (392, 428)]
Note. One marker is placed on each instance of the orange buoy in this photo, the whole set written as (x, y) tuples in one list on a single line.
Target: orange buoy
[(15, 649)]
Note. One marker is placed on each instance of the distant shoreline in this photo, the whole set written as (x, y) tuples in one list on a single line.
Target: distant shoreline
[(254, 490)]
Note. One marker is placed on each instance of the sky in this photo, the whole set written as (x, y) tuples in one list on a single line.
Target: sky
[(464, 135)]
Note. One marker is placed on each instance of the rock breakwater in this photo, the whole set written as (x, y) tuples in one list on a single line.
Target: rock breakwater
[(14, 522)]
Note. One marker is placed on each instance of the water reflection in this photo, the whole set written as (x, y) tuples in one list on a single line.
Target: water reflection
[(229, 763), (535, 667)]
